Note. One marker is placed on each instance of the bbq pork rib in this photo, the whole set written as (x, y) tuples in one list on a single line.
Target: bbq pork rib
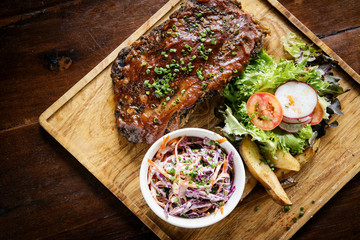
[(160, 78)]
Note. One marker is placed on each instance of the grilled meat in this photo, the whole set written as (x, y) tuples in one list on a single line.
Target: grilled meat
[(161, 77)]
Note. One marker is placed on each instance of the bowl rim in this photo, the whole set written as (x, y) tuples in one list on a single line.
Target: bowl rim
[(239, 180)]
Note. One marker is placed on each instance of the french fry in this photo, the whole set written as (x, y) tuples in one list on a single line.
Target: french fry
[(262, 172)]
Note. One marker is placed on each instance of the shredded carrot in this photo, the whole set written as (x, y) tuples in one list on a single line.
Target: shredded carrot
[(163, 144), (207, 214), (216, 210), (221, 140), (161, 170), (184, 183), (222, 209), (224, 164), (173, 141)]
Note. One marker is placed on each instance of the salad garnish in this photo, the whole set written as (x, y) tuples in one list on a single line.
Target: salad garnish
[(191, 177), (305, 88)]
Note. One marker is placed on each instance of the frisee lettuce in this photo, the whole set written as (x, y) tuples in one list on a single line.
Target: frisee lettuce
[(300, 51)]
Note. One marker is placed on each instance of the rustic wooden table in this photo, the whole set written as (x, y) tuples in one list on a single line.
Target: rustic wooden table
[(45, 48)]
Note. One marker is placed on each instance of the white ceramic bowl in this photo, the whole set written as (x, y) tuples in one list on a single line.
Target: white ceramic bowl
[(239, 181)]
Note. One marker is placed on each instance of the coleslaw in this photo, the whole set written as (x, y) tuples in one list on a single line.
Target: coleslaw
[(191, 177)]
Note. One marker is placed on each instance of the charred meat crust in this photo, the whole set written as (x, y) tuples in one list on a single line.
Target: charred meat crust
[(142, 113)]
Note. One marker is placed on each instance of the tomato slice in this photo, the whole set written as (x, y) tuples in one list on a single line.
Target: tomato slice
[(264, 110), (317, 115)]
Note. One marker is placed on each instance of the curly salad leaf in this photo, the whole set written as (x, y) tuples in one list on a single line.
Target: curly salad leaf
[(264, 74), (300, 51)]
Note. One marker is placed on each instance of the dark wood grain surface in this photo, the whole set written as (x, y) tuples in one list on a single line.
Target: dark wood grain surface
[(45, 48)]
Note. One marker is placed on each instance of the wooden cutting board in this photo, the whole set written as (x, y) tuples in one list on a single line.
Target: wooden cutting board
[(83, 121)]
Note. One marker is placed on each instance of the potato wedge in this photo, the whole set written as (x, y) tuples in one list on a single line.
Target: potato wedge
[(282, 174), (284, 160), (250, 152), (302, 158), (306, 155), (249, 184)]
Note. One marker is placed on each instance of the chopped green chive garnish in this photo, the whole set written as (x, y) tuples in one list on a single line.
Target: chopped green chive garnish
[(188, 47), (257, 208), (199, 74), (287, 208)]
